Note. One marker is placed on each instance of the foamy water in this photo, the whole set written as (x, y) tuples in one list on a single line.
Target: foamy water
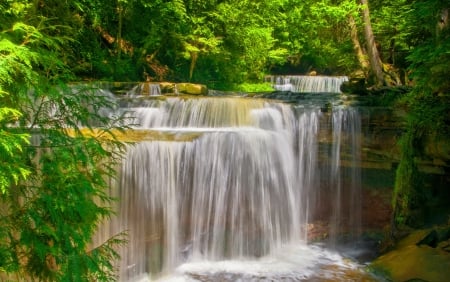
[(299, 262), (234, 203)]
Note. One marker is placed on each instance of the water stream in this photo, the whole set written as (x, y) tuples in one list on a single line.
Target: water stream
[(236, 198), (307, 84)]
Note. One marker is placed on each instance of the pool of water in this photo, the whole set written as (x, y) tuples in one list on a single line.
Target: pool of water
[(291, 263)]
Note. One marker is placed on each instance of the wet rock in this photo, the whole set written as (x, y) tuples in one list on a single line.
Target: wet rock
[(167, 87), (432, 239), (191, 88), (435, 236), (409, 261), (437, 147), (149, 89), (355, 86)]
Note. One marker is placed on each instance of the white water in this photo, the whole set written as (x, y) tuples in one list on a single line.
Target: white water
[(292, 263), (235, 200), (307, 84), (346, 128), (145, 89)]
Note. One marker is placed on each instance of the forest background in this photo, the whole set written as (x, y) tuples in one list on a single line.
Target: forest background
[(47, 186)]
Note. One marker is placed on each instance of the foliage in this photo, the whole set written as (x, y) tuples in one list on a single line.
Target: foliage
[(11, 145), (226, 42), (53, 179), (316, 34), (213, 41), (428, 104), (254, 87), (389, 21), (430, 57)]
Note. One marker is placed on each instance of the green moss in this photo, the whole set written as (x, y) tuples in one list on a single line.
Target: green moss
[(406, 180), (408, 261), (427, 116)]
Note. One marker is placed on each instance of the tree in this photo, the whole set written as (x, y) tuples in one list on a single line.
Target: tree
[(372, 51), (53, 177), (200, 38), (316, 36), (360, 54), (249, 44)]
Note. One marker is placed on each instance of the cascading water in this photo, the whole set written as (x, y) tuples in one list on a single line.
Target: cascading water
[(145, 89), (307, 84), (346, 183), (242, 186)]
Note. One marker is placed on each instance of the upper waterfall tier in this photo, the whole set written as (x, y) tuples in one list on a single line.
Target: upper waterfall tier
[(208, 113), (307, 84)]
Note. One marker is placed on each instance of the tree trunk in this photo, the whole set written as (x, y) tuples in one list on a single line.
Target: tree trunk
[(119, 33), (374, 56), (194, 57), (360, 54)]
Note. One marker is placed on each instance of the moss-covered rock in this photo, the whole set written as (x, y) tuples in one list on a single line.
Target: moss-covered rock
[(191, 88), (412, 261)]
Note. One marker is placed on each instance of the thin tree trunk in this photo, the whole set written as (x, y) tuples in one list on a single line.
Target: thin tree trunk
[(194, 57), (374, 56), (119, 33), (360, 54)]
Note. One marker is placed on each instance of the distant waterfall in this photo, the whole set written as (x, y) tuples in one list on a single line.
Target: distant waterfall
[(307, 84), (244, 186), (145, 89)]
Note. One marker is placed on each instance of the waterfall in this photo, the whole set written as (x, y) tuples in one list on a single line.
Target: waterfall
[(307, 166), (307, 84), (193, 113), (346, 127), (245, 186), (145, 89)]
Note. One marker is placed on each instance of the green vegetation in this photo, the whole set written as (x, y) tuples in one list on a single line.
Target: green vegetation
[(231, 42), (253, 87), (211, 42), (225, 43), (52, 180), (428, 103)]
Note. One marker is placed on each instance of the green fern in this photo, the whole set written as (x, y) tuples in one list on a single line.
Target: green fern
[(52, 177)]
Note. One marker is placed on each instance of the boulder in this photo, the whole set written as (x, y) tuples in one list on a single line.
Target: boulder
[(415, 259), (191, 88)]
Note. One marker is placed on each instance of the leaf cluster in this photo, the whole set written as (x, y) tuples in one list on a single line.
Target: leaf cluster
[(53, 178)]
